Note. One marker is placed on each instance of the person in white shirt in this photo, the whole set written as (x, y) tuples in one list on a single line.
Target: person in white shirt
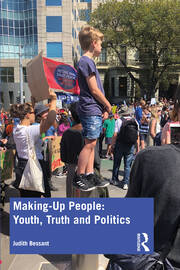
[(26, 130)]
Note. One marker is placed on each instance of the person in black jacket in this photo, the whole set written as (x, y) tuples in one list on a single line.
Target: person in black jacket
[(156, 174)]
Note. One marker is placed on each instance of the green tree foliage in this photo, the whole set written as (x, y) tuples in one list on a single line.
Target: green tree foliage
[(152, 27)]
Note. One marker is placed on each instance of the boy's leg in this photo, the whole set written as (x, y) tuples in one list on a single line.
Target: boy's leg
[(90, 165), (91, 130), (85, 164), (86, 157), (91, 176), (97, 160)]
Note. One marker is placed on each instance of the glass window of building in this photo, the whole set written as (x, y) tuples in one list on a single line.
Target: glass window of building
[(53, 2), (54, 49), (11, 97), (6, 74), (18, 26), (54, 23), (103, 56), (84, 14)]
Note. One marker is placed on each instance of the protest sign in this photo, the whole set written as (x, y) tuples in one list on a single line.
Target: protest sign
[(37, 81), (153, 101), (59, 104), (6, 167), (67, 98), (44, 73), (54, 150)]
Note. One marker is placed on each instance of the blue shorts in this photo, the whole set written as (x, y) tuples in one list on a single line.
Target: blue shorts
[(143, 137), (92, 126)]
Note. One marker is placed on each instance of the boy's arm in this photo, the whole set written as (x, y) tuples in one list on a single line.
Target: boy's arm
[(92, 84)]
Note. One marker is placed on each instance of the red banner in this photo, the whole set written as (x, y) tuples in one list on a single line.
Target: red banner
[(61, 76)]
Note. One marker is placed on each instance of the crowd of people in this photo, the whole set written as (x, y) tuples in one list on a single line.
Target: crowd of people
[(128, 131), (44, 122), (150, 118)]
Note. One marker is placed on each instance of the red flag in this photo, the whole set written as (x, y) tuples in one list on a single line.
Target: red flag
[(61, 76)]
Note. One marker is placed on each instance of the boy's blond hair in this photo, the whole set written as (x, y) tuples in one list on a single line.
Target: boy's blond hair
[(87, 35)]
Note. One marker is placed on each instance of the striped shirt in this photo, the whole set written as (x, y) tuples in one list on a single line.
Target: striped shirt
[(144, 126)]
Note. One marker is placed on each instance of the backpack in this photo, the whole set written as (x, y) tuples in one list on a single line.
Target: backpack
[(154, 261), (139, 262), (129, 131)]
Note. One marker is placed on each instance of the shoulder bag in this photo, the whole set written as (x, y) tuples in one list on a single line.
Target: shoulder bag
[(32, 178)]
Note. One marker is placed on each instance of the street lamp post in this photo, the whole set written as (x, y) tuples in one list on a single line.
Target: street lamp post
[(21, 75)]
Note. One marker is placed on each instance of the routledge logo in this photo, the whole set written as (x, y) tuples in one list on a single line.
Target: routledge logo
[(142, 240)]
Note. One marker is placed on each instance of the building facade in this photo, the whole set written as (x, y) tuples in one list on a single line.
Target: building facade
[(28, 27)]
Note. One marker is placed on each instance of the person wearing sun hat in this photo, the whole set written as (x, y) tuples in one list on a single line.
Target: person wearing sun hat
[(26, 133), (40, 108)]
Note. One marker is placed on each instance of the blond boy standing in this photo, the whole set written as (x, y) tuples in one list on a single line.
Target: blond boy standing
[(92, 106)]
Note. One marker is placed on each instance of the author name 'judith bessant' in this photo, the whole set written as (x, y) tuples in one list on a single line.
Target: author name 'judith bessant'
[(31, 243)]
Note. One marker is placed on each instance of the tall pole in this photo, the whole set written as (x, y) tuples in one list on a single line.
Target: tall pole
[(21, 75)]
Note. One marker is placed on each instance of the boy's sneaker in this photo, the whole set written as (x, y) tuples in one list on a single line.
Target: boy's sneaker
[(99, 182), (81, 182)]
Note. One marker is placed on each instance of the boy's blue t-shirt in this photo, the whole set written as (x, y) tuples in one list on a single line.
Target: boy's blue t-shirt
[(88, 105)]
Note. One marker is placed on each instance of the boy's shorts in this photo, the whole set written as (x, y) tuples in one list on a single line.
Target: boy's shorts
[(92, 126)]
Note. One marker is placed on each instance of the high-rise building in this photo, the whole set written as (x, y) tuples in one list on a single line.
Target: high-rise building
[(28, 27), (18, 40)]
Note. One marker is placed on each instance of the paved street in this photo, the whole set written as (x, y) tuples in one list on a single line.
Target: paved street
[(46, 262)]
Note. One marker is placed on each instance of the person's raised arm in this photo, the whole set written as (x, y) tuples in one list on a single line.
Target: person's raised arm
[(51, 117), (96, 92)]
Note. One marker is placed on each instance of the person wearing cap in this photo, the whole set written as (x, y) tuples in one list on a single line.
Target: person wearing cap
[(41, 112), (25, 130), (121, 150), (109, 126)]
